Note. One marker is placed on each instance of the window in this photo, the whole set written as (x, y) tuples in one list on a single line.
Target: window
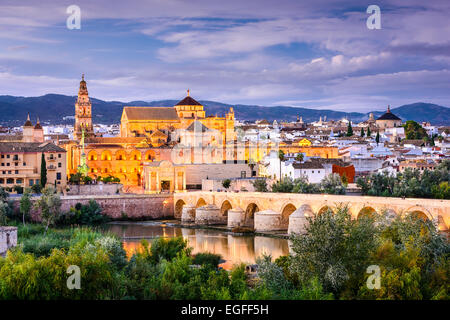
[(16, 157), (16, 172), (59, 164), (7, 156), (24, 164), (19, 181), (30, 182), (2, 181), (3, 156), (59, 155), (9, 181), (7, 164), (58, 176)]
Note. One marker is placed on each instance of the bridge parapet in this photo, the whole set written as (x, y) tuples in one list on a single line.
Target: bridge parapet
[(286, 203)]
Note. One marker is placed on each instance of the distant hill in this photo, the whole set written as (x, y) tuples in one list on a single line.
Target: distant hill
[(51, 108)]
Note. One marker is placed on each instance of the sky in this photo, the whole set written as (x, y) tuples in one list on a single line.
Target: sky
[(314, 54)]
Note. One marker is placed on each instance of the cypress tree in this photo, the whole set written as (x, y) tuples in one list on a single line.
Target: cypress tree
[(362, 132), (43, 171), (349, 129), (377, 138), (368, 132)]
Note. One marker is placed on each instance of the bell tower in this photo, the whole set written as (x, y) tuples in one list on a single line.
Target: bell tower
[(83, 113)]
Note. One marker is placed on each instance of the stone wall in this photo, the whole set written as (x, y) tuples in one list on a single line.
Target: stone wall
[(195, 173), (8, 239), (153, 206), (95, 189)]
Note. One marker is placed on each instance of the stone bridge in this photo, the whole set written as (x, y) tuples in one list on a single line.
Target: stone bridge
[(288, 211)]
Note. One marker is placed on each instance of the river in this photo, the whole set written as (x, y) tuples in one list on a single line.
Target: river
[(233, 248)]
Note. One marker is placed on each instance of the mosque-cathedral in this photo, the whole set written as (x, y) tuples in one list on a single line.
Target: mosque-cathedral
[(158, 137), (147, 134)]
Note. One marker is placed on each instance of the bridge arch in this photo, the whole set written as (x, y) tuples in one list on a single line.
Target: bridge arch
[(419, 212), (226, 205), (200, 203), (324, 209), (249, 218), (179, 208), (367, 211), (287, 210)]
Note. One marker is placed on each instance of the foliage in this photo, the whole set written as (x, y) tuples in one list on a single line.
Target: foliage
[(362, 132), (207, 258), (333, 250), (414, 131), (43, 180), (283, 185), (299, 157), (75, 178), (25, 205), (377, 137), (260, 185), (18, 189), (36, 188), (109, 179), (409, 183), (369, 133), (90, 214), (349, 129), (332, 184), (49, 204), (226, 183)]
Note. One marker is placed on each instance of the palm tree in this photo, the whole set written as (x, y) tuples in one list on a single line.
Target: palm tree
[(281, 157)]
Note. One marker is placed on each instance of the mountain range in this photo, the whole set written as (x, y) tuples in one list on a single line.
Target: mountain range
[(52, 108)]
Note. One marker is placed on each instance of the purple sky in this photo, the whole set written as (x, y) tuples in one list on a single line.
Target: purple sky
[(316, 54)]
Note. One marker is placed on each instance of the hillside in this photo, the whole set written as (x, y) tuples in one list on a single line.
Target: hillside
[(51, 108)]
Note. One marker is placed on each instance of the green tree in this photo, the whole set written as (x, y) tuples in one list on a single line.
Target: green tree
[(377, 138), (332, 184), (25, 204), (299, 157), (284, 185), (43, 171), (50, 205), (281, 157), (334, 249), (362, 132), (349, 129), (260, 185), (414, 131), (226, 183)]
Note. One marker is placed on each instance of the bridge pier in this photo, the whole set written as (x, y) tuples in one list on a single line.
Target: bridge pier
[(236, 217), (209, 214), (188, 213), (268, 220), (298, 219)]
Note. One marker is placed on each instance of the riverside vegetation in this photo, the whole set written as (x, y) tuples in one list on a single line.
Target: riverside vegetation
[(328, 261)]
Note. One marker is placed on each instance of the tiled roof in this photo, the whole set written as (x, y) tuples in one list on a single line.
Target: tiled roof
[(188, 101), (307, 165), (389, 116), (197, 126), (150, 113), (29, 147)]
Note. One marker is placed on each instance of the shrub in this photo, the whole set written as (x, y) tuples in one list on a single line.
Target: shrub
[(206, 258)]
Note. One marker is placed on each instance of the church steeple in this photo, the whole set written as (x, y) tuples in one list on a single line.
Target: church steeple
[(28, 122), (389, 108)]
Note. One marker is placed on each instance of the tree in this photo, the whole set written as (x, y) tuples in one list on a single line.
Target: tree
[(362, 133), (284, 185), (349, 129), (368, 132), (377, 138), (260, 185), (332, 184), (281, 157), (299, 157), (50, 204), (25, 204), (43, 171), (226, 183), (414, 131), (334, 249)]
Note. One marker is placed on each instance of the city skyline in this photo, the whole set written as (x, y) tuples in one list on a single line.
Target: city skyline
[(294, 54)]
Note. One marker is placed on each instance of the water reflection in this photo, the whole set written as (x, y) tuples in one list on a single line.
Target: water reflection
[(233, 249)]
